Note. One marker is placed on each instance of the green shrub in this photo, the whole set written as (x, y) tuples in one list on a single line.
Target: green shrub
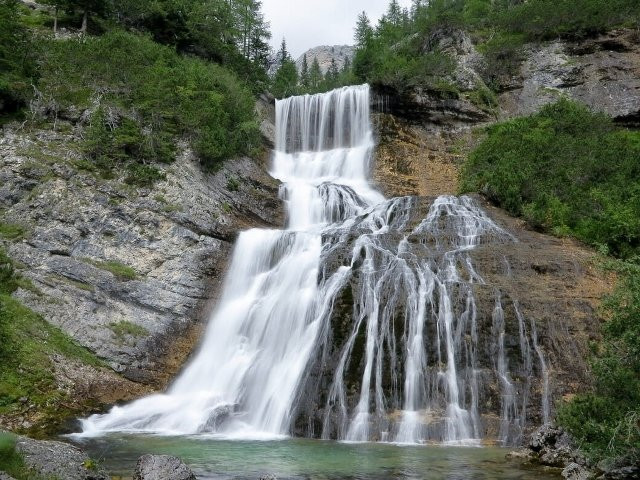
[(549, 19), (17, 67), (565, 170), (606, 423), (148, 96)]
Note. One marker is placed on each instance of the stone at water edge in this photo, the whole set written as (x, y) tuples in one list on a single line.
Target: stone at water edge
[(573, 471), (162, 467), (58, 460)]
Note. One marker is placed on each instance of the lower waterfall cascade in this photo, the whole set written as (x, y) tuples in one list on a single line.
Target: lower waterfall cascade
[(359, 321)]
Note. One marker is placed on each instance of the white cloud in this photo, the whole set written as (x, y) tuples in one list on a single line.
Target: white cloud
[(309, 23)]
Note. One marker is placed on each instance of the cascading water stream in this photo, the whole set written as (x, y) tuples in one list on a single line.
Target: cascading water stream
[(243, 380), (404, 367)]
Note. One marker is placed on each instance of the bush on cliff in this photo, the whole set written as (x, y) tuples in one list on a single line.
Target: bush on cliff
[(566, 170), (143, 96), (16, 59)]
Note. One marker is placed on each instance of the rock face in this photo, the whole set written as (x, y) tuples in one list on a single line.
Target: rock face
[(127, 272), (58, 460), (603, 73), (162, 467), (324, 54)]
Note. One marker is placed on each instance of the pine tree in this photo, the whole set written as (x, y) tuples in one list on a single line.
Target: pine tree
[(394, 13), (86, 7), (304, 72), (283, 54), (331, 78), (364, 31), (315, 74)]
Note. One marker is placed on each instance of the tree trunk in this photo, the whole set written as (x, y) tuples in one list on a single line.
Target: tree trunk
[(55, 21), (85, 18)]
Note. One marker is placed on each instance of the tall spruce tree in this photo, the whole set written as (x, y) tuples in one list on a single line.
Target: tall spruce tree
[(304, 72), (315, 74), (285, 81), (364, 31)]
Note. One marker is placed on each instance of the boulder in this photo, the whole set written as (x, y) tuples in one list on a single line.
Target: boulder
[(162, 467), (58, 460)]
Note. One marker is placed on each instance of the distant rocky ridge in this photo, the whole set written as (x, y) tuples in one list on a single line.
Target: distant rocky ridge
[(325, 54)]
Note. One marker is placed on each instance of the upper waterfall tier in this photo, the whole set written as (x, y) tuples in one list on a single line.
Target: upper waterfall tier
[(337, 119)]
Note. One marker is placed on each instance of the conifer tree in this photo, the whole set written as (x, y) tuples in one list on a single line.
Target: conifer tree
[(285, 82), (304, 72), (331, 78), (364, 31), (315, 74)]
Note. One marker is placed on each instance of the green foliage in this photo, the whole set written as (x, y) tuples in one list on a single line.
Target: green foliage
[(120, 270), (10, 461), (233, 33), (124, 328), (606, 422), (549, 19), (565, 170), (11, 231), (147, 95), (16, 59), (8, 279)]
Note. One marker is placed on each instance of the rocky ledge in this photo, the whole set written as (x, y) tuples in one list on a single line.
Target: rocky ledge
[(552, 447)]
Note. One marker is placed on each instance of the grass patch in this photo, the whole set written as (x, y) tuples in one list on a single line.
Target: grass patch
[(12, 231), (74, 283), (125, 328), (10, 461), (120, 270)]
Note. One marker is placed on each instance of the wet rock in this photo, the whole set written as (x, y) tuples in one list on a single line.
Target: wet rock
[(573, 471), (619, 469), (58, 460), (268, 477), (562, 300), (162, 467), (4, 476), (265, 107), (554, 447)]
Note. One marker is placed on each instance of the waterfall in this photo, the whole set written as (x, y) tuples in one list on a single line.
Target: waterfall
[(358, 321)]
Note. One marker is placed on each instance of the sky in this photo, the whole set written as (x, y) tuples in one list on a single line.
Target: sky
[(309, 23)]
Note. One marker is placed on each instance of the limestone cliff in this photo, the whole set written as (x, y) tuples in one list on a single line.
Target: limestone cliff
[(325, 54)]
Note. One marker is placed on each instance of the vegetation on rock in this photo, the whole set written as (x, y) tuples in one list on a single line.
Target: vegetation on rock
[(566, 170), (28, 345), (398, 52)]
